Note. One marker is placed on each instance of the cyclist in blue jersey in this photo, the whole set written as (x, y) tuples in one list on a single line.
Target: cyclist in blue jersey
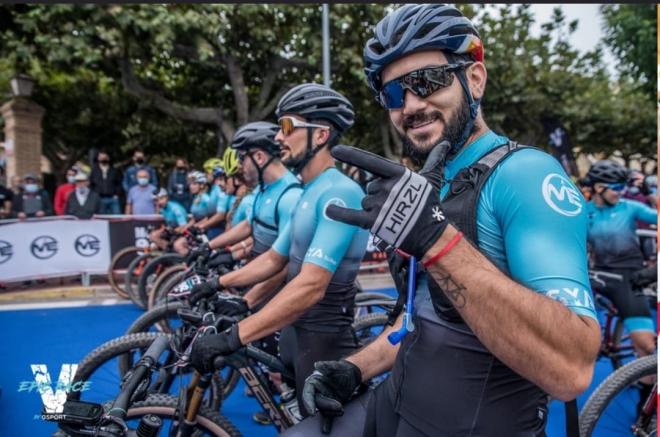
[(201, 200), (219, 201), (236, 187), (503, 315), (315, 307), (615, 248), (176, 219)]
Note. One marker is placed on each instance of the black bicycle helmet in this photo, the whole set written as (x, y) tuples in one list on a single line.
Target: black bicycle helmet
[(608, 172), (258, 134), (413, 28), (314, 101)]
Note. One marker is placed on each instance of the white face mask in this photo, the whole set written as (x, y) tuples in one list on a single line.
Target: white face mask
[(31, 188), (143, 181), (70, 179), (82, 190)]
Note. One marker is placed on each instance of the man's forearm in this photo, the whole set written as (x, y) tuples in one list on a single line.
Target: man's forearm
[(379, 355), (536, 336), (259, 269), (215, 219), (262, 290), (239, 232)]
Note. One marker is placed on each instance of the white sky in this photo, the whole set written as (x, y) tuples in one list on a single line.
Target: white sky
[(589, 31)]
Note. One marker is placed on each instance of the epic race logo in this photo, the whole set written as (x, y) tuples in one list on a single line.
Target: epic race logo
[(6, 251), (561, 195), (43, 247), (87, 245), (53, 400)]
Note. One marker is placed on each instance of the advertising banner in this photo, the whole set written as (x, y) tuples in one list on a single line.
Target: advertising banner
[(43, 249)]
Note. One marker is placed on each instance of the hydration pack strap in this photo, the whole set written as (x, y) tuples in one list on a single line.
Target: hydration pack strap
[(572, 423)]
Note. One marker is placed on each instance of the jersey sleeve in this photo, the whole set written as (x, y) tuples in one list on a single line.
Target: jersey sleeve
[(543, 219), (287, 206), (180, 216), (222, 205), (332, 238), (645, 213), (282, 243)]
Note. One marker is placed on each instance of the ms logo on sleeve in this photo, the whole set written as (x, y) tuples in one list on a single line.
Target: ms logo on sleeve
[(561, 195)]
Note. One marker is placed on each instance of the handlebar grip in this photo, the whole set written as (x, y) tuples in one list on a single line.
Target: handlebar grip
[(219, 362)]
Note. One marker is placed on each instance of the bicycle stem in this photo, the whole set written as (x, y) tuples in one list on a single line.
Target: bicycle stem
[(408, 325)]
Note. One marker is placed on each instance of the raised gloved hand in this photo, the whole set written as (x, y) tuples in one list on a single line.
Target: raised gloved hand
[(401, 207), (642, 278), (203, 250), (230, 305), (208, 347), (330, 386), (203, 291)]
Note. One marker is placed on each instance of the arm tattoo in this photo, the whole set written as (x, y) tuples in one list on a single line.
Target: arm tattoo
[(455, 291)]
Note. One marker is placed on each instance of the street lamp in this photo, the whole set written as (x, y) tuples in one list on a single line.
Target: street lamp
[(21, 85)]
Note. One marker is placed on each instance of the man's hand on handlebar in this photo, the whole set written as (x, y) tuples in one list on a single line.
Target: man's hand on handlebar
[(229, 305), (203, 291), (206, 348), (203, 250)]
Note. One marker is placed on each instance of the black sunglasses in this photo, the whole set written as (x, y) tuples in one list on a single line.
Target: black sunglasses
[(422, 83)]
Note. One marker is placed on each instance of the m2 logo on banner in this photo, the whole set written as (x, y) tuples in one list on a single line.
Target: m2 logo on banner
[(43, 249)]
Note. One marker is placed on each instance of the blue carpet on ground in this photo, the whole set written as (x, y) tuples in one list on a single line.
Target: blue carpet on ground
[(65, 335)]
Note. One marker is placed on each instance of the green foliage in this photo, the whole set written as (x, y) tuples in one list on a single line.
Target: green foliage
[(178, 79)]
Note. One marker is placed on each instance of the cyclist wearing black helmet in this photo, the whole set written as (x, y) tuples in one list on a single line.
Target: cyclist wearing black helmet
[(503, 315), (615, 247), (315, 307)]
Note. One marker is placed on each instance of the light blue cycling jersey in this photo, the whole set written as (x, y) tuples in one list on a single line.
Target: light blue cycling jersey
[(312, 237), (267, 223), (243, 209), (219, 201), (174, 213), (612, 233), (200, 206), (532, 222)]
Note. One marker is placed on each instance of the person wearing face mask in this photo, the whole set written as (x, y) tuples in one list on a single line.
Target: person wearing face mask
[(83, 202), (139, 200), (63, 191), (177, 184), (107, 182), (139, 163), (34, 201)]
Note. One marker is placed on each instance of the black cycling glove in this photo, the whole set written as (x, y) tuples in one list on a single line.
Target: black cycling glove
[(204, 291), (401, 207), (222, 258), (203, 250), (642, 278), (330, 386), (230, 305), (208, 347)]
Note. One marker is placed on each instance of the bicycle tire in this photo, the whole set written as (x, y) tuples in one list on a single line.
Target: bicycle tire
[(132, 275), (165, 406), (611, 387), (120, 348), (151, 319), (118, 285), (368, 321), (167, 274), (153, 267)]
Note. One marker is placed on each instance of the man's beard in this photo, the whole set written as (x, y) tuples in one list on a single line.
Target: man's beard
[(452, 132)]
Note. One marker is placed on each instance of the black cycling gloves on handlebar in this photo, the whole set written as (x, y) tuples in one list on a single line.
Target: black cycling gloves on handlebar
[(204, 291), (208, 347), (330, 386), (202, 251), (401, 207)]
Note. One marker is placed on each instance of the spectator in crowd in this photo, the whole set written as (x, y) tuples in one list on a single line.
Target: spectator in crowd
[(63, 191), (139, 163), (83, 202), (177, 184), (139, 200), (6, 197), (106, 182), (34, 200), (16, 185)]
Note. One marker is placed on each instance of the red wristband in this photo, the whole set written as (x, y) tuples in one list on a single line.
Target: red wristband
[(445, 250)]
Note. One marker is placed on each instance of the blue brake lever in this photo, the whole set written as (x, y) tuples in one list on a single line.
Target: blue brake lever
[(408, 325)]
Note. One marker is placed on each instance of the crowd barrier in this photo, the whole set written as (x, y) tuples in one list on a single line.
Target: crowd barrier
[(50, 247)]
